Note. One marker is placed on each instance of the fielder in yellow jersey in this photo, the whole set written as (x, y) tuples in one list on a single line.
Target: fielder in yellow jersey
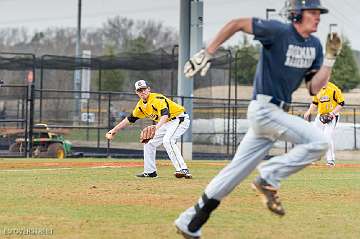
[(156, 106), (329, 100), (172, 122)]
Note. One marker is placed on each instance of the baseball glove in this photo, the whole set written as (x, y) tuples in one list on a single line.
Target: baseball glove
[(147, 133), (326, 118)]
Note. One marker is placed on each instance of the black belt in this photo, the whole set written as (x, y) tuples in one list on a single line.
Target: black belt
[(180, 118), (283, 105)]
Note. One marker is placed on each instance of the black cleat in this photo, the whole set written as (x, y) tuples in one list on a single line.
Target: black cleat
[(147, 175), (269, 195)]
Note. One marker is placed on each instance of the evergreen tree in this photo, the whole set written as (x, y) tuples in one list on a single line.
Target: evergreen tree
[(345, 73), (246, 57), (112, 80)]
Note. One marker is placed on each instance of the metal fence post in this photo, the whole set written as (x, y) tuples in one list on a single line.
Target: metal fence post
[(109, 125), (87, 119), (173, 67), (355, 146), (41, 87), (229, 110), (182, 136), (26, 118), (32, 108), (31, 120), (236, 86), (99, 110)]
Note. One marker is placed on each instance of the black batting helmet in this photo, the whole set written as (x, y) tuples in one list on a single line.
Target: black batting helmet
[(297, 6)]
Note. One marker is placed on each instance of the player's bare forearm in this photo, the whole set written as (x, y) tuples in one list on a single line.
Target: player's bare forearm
[(320, 79), (162, 121), (337, 109), (125, 122), (241, 24), (111, 134), (312, 108)]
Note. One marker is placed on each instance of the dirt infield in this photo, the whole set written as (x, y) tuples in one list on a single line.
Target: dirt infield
[(121, 164), (340, 165), (316, 165), (67, 164)]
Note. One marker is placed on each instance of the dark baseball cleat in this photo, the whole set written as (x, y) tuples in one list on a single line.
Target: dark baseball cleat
[(183, 173), (269, 195), (147, 175), (331, 164), (179, 174), (184, 234)]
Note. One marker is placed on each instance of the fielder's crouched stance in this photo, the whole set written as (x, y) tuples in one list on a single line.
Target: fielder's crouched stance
[(290, 53), (172, 122)]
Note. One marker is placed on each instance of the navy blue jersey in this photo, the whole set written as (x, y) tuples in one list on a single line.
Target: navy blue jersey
[(285, 58)]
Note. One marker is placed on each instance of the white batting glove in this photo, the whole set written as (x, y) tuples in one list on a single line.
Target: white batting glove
[(200, 61)]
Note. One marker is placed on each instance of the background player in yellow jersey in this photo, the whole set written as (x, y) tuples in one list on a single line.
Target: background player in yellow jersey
[(329, 100), (171, 122)]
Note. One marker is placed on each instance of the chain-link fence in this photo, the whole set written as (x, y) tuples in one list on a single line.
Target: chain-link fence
[(218, 120), (16, 103), (218, 125)]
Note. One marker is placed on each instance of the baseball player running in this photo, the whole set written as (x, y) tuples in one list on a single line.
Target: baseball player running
[(328, 102), (172, 122), (290, 54)]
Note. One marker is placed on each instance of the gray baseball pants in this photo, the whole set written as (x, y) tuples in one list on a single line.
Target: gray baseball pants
[(268, 123)]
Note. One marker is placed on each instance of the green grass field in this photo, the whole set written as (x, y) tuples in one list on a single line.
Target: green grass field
[(85, 202)]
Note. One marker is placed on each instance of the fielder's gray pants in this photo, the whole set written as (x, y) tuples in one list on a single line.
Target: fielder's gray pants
[(167, 135)]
